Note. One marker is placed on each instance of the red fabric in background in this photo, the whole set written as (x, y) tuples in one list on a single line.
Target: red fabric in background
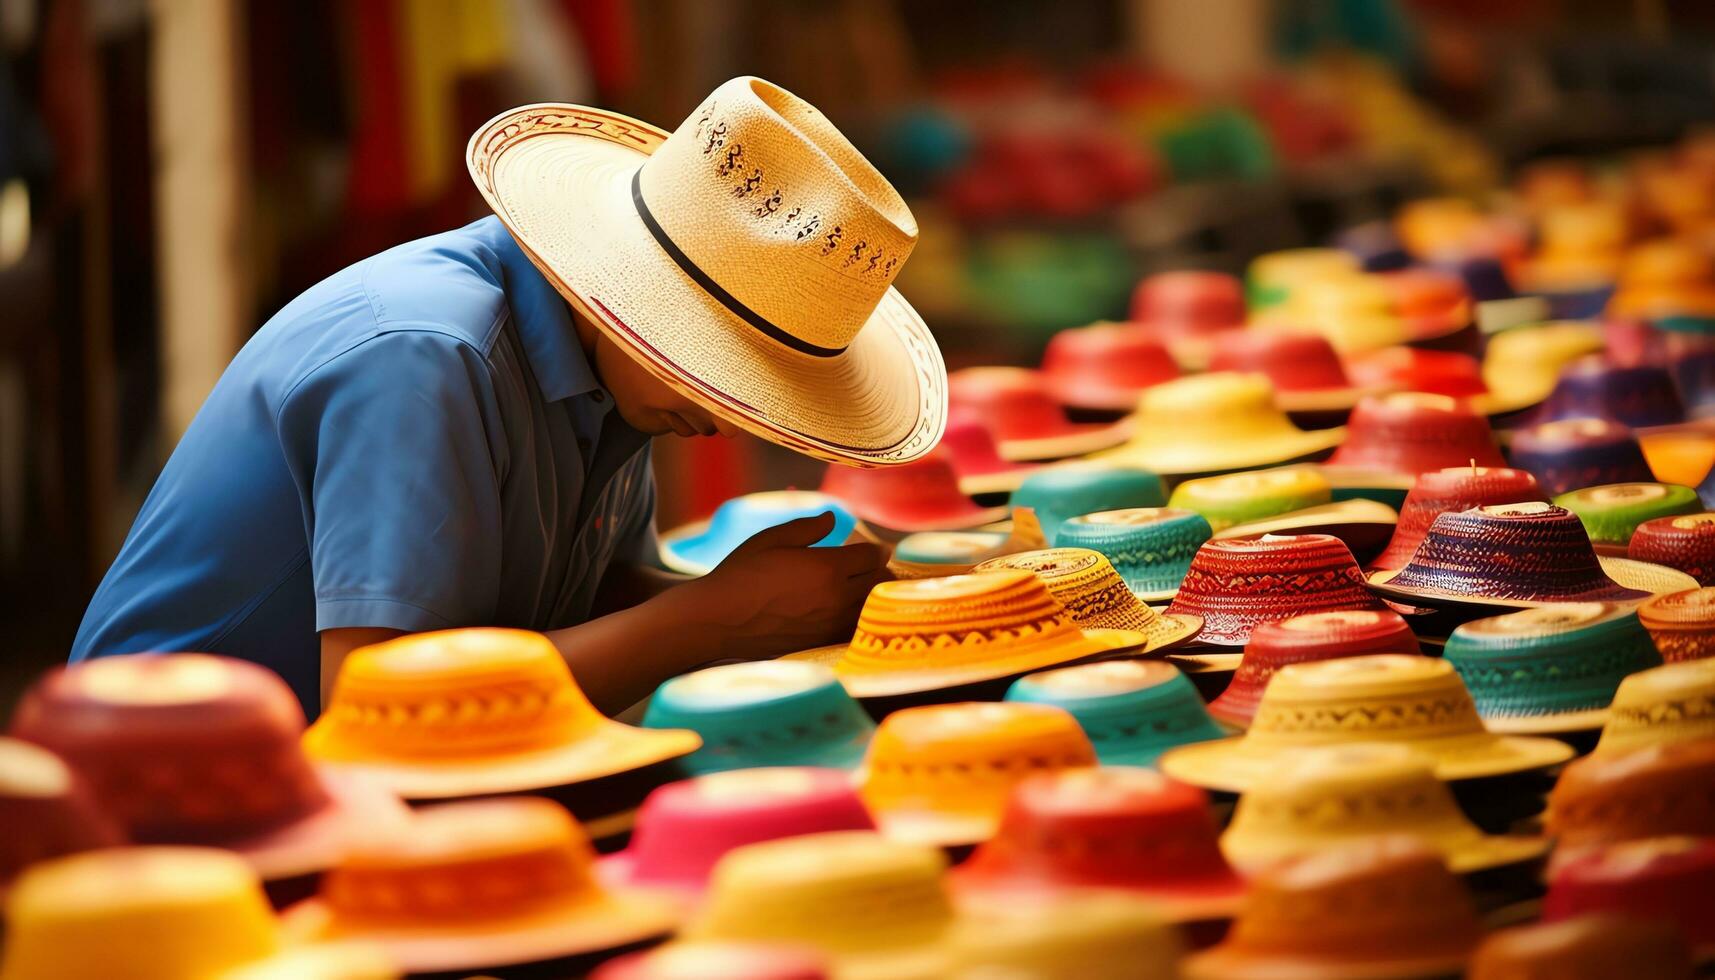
[(608, 29)]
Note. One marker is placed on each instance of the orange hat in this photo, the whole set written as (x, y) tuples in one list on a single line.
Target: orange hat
[(1597, 946)]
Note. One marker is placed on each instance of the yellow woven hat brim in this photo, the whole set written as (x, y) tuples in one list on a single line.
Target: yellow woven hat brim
[(1006, 481), (1235, 764), (1326, 399), (1636, 575), (1088, 643), (1330, 518), (357, 808), (1091, 438), (1465, 853), (559, 177), (1170, 630), (611, 749), (585, 925), (1220, 455)]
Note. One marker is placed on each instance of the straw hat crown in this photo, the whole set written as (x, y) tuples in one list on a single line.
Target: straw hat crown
[(1671, 703)]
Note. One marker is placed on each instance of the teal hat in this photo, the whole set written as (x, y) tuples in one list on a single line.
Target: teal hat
[(1132, 710), (1152, 547), (697, 548), (767, 713), (1553, 668), (1060, 492)]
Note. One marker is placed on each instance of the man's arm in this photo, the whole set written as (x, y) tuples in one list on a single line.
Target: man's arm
[(337, 643)]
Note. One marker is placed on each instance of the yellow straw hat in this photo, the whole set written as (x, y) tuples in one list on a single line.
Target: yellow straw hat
[(1212, 423), (474, 712), (1415, 700), (1333, 794), (941, 774), (1521, 365), (1671, 703), (1066, 937), (746, 258), (1354, 312), (478, 884), (877, 908), (161, 913), (1086, 583), (935, 633)]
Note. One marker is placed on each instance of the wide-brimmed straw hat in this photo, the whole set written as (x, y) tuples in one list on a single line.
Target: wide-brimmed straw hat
[(1553, 668), (191, 748), (162, 913), (1385, 697), (1521, 365), (765, 713), (48, 810), (1151, 547), (877, 909), (1117, 828), (1303, 639), (1132, 710), (474, 712), (695, 549), (480, 884), (1589, 947), (1086, 583), (1214, 423), (1027, 420), (746, 258), (936, 633), (1613, 511), (1685, 542), (685, 828), (1366, 909), (1574, 453), (1671, 703), (1681, 623), (1517, 556), (1453, 489), (1328, 795)]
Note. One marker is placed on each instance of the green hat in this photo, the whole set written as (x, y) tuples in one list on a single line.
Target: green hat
[(1151, 547), (1239, 498), (1132, 710), (768, 713), (1553, 668), (1612, 512), (1061, 492)]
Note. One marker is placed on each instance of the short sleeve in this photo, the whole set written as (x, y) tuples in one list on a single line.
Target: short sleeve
[(390, 445), (638, 543)]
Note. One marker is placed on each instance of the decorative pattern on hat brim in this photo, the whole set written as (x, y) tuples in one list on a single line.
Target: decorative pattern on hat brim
[(1282, 445), (608, 750), (1088, 644), (1628, 582), (606, 261), (1235, 764), (585, 925)]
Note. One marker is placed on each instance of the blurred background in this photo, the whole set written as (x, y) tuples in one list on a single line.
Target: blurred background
[(172, 172)]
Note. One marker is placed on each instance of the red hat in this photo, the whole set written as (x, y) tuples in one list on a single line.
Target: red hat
[(1188, 303), (1685, 542), (1119, 827), (1412, 432), (922, 495), (1306, 373), (47, 810), (1317, 636), (976, 457), (1238, 584), (1020, 409), (1105, 366), (1433, 303), (1455, 488), (684, 828), (1668, 879), (1436, 372)]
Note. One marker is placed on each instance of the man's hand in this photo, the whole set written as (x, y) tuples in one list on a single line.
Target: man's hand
[(775, 594)]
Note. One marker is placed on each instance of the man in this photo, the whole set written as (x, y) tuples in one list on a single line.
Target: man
[(455, 432)]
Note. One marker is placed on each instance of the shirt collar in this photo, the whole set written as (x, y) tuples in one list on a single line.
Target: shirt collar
[(543, 321)]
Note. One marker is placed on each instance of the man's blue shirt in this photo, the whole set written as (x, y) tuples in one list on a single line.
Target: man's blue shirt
[(417, 442)]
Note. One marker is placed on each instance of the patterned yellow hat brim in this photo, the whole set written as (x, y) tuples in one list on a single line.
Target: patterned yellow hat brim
[(1235, 764), (1179, 459), (882, 684), (585, 925), (611, 749), (1465, 853), (1639, 576), (1565, 722)]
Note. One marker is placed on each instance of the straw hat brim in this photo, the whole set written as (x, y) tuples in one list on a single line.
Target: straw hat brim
[(1325, 399), (1216, 456), (1330, 518), (347, 961), (1628, 579), (1088, 643), (559, 177), (1464, 854), (1366, 478), (1076, 392), (1235, 764), (1563, 722), (996, 481), (1079, 439), (610, 749), (357, 809), (1225, 963), (570, 928), (1206, 901)]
